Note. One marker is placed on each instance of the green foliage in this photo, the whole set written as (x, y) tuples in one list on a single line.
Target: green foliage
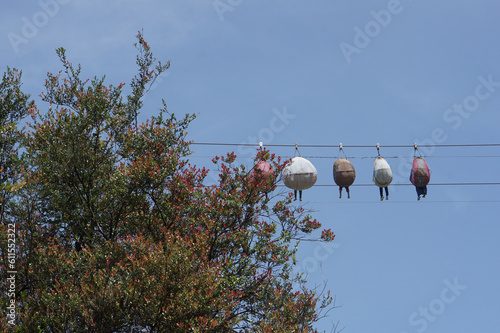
[(14, 105), (118, 233)]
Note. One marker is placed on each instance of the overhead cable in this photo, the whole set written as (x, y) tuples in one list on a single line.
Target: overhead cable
[(345, 146), (430, 184)]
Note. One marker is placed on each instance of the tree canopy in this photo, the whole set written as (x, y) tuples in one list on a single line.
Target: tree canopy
[(117, 232)]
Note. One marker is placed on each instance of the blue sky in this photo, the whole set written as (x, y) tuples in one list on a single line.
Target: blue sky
[(320, 73)]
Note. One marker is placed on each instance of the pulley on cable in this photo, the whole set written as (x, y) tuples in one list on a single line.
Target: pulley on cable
[(262, 170), (382, 175), (299, 174), (343, 173), (420, 173)]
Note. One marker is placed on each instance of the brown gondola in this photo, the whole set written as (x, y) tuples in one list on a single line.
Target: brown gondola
[(343, 173)]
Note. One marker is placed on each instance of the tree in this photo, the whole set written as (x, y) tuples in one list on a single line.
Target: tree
[(117, 231), (14, 105)]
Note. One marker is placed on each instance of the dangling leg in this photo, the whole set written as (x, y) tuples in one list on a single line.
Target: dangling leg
[(387, 193), (424, 191), (381, 193), (300, 194), (295, 194), (419, 191), (348, 194), (340, 192)]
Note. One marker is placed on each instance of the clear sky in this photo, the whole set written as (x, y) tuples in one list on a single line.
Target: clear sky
[(320, 73)]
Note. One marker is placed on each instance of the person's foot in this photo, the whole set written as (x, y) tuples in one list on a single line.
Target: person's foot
[(419, 197), (382, 198)]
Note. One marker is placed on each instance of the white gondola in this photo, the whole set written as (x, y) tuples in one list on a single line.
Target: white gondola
[(382, 176), (299, 175)]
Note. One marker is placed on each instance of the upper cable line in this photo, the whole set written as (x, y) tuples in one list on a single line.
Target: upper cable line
[(346, 146)]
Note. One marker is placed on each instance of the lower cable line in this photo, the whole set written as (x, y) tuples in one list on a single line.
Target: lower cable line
[(409, 184), (424, 201)]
